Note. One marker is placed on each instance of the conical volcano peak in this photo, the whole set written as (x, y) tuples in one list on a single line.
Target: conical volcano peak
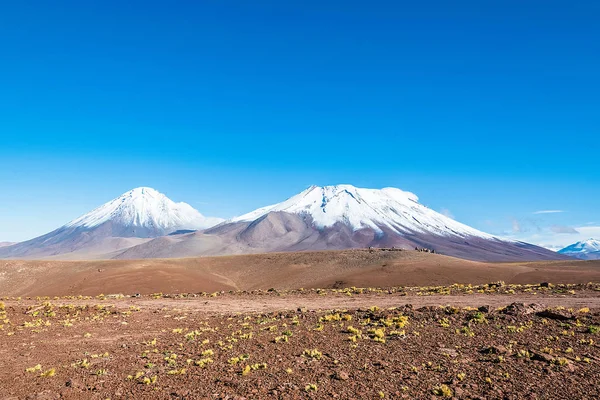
[(140, 213), (143, 191), (144, 207)]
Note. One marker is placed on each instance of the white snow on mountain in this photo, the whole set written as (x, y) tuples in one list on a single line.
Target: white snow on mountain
[(359, 208), (583, 248), (148, 208)]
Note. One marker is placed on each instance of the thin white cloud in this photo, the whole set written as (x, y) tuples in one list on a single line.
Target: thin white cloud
[(556, 239), (563, 229), (590, 232), (548, 212), (516, 226), (447, 213)]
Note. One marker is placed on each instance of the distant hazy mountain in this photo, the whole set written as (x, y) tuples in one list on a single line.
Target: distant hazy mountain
[(339, 217), (586, 250), (3, 244), (128, 220)]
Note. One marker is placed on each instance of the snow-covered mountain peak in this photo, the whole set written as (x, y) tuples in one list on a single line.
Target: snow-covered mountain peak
[(585, 246), (591, 244), (585, 250), (145, 207), (330, 192), (142, 192), (359, 208)]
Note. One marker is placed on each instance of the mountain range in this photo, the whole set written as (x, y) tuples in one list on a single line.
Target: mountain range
[(144, 223), (585, 250)]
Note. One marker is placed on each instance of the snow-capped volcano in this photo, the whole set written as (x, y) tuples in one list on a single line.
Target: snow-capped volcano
[(130, 219), (147, 209), (139, 224), (342, 217), (391, 208), (586, 250)]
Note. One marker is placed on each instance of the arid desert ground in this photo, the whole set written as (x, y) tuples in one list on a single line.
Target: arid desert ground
[(352, 324), (321, 269)]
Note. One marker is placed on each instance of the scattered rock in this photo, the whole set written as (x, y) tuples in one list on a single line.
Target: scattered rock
[(74, 384), (341, 376), (450, 352), (560, 315), (180, 394), (517, 309), (484, 309), (541, 357), (499, 349)]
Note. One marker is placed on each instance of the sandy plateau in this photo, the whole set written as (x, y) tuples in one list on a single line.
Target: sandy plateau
[(311, 269), (347, 325)]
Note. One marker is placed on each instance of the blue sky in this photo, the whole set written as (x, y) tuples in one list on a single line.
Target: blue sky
[(488, 110)]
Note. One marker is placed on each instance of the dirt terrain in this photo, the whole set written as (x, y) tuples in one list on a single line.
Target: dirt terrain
[(353, 324), (489, 341), (323, 269)]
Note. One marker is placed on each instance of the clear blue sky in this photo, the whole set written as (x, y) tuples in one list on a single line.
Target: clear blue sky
[(488, 109)]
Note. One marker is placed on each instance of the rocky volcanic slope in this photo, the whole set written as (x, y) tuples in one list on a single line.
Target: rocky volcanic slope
[(139, 214), (341, 217)]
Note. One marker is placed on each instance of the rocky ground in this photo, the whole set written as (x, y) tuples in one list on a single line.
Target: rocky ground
[(491, 341)]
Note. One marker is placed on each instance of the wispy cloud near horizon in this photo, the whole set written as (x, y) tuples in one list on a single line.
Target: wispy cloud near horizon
[(447, 213), (548, 212), (563, 229), (556, 237)]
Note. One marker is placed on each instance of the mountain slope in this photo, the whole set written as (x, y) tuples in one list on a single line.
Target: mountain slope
[(585, 250), (342, 217), (128, 220), (390, 208)]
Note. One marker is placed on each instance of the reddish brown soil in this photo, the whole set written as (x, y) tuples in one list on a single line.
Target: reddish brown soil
[(275, 270), (97, 346)]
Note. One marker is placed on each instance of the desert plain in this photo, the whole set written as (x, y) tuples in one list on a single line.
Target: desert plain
[(355, 324)]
